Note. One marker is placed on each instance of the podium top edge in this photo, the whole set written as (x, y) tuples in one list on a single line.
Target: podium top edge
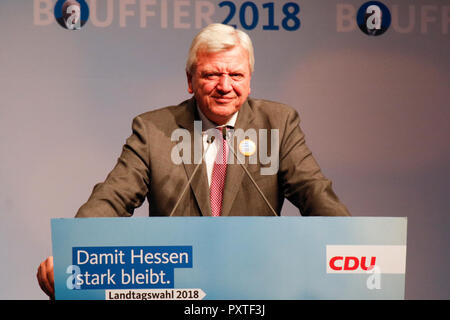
[(238, 217)]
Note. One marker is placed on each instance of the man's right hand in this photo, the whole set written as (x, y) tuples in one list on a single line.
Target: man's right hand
[(46, 277)]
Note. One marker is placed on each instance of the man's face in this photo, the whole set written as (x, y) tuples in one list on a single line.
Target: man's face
[(220, 82), (70, 4)]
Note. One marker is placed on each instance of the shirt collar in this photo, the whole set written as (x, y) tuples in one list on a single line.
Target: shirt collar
[(208, 124)]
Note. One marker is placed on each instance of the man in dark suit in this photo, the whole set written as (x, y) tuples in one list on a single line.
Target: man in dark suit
[(218, 69)]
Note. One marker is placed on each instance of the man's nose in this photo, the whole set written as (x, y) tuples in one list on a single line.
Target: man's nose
[(224, 84)]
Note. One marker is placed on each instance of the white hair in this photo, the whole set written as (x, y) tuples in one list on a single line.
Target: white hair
[(68, 3), (217, 37)]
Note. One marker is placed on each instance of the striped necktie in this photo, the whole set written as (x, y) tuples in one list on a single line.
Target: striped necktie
[(218, 177)]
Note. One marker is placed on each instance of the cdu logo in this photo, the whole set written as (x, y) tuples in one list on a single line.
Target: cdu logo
[(71, 14), (373, 18)]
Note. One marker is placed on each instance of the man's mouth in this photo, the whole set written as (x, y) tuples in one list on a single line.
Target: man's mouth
[(223, 99)]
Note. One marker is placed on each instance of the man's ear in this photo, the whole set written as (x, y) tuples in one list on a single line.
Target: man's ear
[(250, 87), (189, 81)]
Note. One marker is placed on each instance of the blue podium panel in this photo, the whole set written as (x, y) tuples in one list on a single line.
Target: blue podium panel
[(229, 258)]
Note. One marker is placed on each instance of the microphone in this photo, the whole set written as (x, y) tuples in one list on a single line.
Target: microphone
[(210, 140), (224, 135)]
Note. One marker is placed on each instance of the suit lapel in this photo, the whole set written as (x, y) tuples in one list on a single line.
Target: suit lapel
[(235, 173), (199, 184)]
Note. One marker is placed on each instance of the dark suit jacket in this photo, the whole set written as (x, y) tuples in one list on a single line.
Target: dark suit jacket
[(145, 170)]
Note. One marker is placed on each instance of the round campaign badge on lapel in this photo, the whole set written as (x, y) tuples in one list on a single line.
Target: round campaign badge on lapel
[(247, 147)]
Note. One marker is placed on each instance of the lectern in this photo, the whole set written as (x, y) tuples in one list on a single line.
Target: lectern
[(229, 258)]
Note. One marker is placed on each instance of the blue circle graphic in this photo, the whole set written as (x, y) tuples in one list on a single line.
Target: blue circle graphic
[(71, 14), (373, 18)]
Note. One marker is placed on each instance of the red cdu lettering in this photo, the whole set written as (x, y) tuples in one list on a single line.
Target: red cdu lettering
[(333, 263), (351, 263), (363, 263)]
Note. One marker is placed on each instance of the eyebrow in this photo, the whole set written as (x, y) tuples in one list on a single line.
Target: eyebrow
[(206, 72)]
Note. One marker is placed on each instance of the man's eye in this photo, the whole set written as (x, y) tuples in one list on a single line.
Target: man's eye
[(236, 75), (211, 76)]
